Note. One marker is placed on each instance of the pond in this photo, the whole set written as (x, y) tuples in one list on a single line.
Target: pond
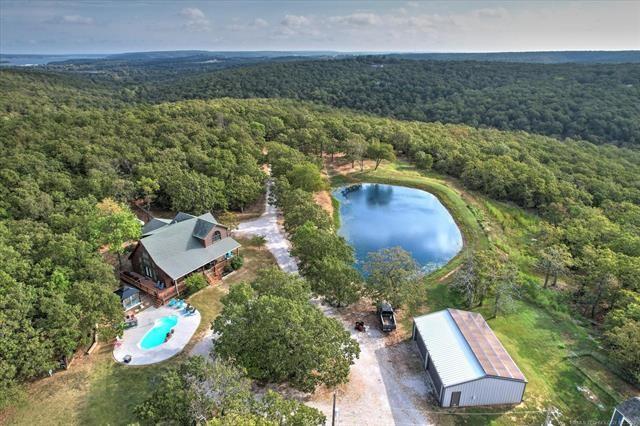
[(377, 216)]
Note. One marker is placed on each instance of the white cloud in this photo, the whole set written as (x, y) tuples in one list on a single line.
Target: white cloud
[(499, 12), (197, 21), (260, 23), (357, 19), (72, 20), (193, 13), (295, 21), (253, 25)]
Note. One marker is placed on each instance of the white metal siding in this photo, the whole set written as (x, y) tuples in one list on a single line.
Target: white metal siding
[(487, 391)]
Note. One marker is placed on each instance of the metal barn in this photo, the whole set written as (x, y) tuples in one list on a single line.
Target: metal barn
[(465, 360)]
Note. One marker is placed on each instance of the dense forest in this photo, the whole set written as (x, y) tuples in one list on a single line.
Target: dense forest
[(591, 101), (73, 157), (598, 103)]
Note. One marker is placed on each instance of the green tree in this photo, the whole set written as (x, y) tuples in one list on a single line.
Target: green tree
[(391, 275), (198, 391), (229, 219), (115, 226), (489, 267), (297, 214), (278, 339), (423, 160), (336, 280), (283, 411), (355, 150), (311, 243), (624, 342), (378, 151), (505, 290), (148, 189), (275, 282), (195, 282), (598, 281), (306, 176), (241, 191), (194, 192), (553, 261)]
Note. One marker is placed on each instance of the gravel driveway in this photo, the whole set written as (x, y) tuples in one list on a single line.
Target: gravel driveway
[(276, 241), (387, 385)]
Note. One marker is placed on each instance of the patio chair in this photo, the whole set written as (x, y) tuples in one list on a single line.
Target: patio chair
[(172, 303)]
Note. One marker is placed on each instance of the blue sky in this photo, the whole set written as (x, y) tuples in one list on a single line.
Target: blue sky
[(102, 26)]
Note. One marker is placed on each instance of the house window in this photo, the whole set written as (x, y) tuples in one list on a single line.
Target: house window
[(217, 236), (131, 301), (147, 267)]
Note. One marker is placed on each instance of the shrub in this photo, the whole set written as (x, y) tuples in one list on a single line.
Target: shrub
[(195, 283), (236, 262), (257, 241)]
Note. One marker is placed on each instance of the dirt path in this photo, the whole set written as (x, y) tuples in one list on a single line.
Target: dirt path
[(323, 199)]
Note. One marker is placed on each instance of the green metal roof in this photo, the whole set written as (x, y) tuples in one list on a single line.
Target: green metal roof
[(154, 224), (177, 252), (202, 228)]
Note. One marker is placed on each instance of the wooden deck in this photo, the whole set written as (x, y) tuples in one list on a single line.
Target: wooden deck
[(159, 297)]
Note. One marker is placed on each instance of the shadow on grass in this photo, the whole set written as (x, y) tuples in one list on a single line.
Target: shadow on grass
[(115, 389)]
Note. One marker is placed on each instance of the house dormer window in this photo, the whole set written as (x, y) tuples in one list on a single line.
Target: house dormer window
[(217, 236)]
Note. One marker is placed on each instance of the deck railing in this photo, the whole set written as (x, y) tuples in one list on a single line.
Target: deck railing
[(161, 296)]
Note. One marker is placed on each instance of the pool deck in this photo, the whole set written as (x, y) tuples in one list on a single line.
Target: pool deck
[(130, 343)]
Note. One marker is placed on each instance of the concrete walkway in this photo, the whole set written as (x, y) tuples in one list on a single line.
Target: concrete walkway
[(276, 241), (130, 343)]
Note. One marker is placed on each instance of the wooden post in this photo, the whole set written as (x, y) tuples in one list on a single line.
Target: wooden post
[(333, 412)]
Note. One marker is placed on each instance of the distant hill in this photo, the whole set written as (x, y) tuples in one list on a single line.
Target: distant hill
[(596, 102), (190, 56), (177, 54), (579, 57)]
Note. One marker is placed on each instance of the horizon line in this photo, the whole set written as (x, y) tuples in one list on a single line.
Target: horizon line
[(371, 52)]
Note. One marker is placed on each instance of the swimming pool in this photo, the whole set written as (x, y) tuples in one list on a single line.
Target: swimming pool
[(157, 335)]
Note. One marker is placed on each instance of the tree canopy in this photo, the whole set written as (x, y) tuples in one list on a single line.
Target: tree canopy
[(215, 392), (270, 329)]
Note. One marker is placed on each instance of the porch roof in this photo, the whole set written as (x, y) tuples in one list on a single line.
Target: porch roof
[(126, 292)]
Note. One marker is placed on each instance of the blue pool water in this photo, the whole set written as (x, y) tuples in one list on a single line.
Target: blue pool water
[(156, 336), (376, 216)]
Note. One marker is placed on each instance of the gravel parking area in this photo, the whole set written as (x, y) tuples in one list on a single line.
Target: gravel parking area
[(387, 384)]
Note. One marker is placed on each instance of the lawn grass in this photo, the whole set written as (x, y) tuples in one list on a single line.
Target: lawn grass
[(94, 391), (98, 391), (256, 258), (541, 342), (208, 303)]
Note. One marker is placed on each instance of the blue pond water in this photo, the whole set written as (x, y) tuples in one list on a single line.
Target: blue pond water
[(377, 216), (157, 335)]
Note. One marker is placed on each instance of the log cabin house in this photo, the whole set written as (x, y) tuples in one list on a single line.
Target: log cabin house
[(171, 250)]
